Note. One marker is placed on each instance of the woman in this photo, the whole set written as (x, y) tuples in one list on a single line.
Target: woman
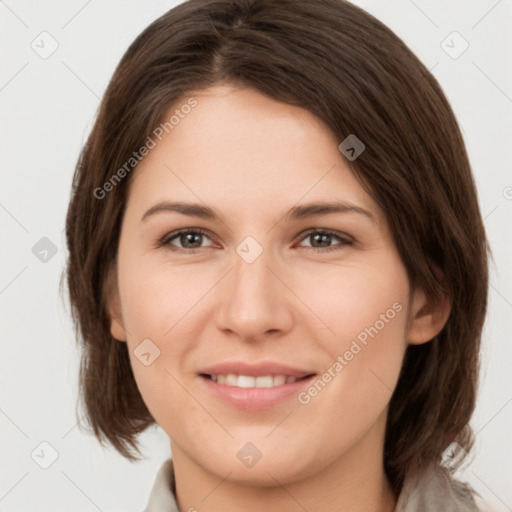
[(276, 254)]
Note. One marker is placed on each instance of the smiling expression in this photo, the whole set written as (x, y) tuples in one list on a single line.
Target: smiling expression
[(250, 251)]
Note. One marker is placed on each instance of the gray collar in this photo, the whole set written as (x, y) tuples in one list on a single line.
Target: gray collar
[(433, 491)]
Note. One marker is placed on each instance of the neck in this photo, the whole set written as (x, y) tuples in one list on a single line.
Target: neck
[(356, 481)]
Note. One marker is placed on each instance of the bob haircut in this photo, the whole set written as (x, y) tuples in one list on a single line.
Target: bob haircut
[(351, 71)]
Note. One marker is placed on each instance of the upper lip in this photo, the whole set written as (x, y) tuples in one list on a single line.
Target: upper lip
[(255, 370)]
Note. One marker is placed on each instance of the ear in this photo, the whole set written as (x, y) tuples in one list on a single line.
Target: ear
[(113, 301), (427, 318)]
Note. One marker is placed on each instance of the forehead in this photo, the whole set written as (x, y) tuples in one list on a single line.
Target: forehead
[(239, 148)]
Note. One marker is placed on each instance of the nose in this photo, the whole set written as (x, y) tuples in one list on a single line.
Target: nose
[(254, 301)]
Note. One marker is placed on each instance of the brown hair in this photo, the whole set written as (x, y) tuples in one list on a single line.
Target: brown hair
[(343, 65)]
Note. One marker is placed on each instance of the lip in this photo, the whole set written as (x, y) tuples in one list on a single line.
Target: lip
[(255, 370), (253, 399)]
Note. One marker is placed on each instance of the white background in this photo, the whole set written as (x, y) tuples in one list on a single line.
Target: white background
[(48, 106)]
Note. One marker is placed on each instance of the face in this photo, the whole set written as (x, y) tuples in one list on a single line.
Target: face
[(265, 335)]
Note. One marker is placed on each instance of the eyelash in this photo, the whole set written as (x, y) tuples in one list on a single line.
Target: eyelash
[(166, 240)]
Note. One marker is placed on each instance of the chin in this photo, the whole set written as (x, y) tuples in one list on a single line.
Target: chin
[(246, 464)]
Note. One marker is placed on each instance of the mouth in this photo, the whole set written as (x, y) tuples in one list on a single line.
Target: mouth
[(256, 386), (250, 381)]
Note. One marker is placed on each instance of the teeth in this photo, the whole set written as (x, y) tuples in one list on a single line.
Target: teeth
[(279, 380), (265, 381), (231, 380), (247, 381)]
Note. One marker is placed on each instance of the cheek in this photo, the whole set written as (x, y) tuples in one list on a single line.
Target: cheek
[(160, 303), (359, 302), (158, 297), (365, 313)]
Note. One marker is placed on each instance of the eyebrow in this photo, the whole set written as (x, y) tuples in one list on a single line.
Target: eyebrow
[(295, 213)]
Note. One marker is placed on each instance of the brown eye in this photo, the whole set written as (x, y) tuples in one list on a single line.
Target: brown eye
[(321, 240), (188, 240)]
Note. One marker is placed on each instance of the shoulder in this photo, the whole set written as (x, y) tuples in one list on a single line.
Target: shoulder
[(162, 497), (435, 490)]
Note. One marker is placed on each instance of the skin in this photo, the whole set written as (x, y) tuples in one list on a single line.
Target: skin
[(253, 158)]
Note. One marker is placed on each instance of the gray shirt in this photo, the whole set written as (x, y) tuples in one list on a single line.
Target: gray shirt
[(433, 491)]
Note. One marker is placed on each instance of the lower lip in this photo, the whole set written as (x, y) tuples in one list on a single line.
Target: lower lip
[(255, 398)]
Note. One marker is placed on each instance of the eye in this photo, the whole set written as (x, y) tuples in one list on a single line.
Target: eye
[(189, 239), (324, 237)]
